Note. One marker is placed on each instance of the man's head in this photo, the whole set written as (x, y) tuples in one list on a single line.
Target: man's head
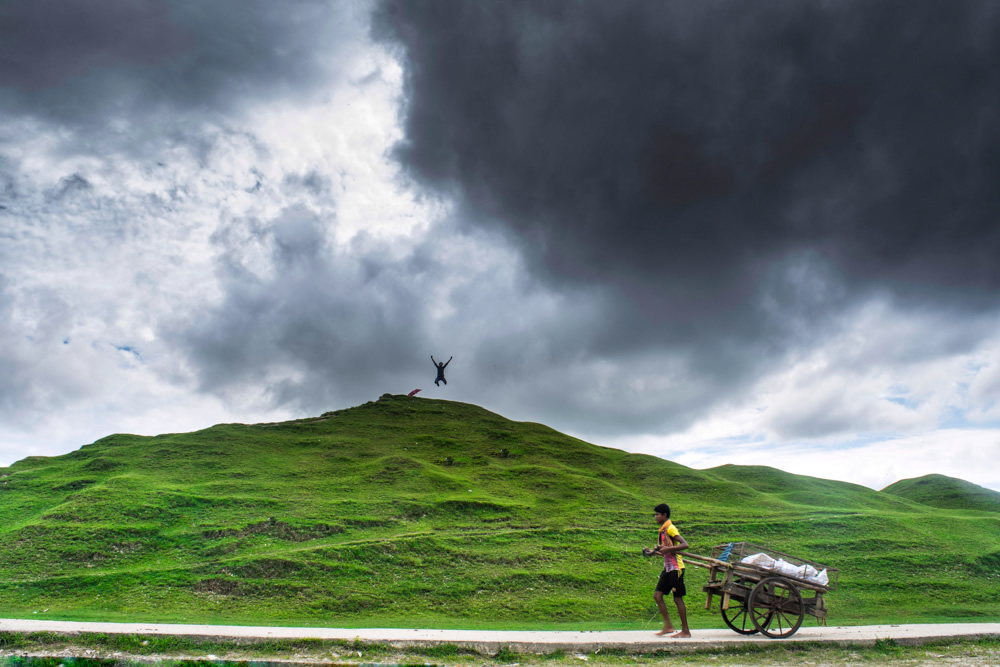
[(662, 512)]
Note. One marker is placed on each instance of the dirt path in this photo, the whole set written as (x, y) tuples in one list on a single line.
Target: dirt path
[(534, 641), (139, 643)]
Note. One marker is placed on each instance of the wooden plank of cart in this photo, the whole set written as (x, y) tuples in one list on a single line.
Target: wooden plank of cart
[(754, 598)]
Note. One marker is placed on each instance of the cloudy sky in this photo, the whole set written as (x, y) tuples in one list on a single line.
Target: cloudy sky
[(717, 232)]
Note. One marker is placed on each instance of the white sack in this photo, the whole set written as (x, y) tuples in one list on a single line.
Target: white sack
[(760, 560)]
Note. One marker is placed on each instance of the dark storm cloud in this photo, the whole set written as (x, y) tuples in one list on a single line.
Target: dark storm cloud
[(728, 170), (47, 42), (104, 62)]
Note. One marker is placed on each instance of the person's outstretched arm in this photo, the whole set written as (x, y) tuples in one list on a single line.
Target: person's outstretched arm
[(432, 360), (448, 362)]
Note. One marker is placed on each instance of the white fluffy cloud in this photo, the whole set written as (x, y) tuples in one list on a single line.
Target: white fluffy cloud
[(891, 397)]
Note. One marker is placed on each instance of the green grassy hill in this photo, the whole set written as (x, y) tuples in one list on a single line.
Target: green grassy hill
[(413, 512), (945, 492)]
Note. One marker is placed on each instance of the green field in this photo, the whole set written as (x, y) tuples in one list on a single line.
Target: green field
[(413, 512)]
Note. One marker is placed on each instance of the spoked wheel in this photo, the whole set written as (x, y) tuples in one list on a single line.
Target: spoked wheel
[(776, 607), (737, 617)]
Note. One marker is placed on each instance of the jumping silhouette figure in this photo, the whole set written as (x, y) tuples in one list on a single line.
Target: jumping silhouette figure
[(441, 367)]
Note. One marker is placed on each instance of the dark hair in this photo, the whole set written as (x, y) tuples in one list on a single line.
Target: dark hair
[(662, 508)]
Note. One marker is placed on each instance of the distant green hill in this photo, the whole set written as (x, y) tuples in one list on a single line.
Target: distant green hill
[(802, 490), (946, 492), (415, 512)]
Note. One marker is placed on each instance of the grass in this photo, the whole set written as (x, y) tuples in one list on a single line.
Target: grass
[(946, 492), (408, 512), (100, 650)]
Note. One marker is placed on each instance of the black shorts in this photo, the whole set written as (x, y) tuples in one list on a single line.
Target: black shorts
[(672, 581)]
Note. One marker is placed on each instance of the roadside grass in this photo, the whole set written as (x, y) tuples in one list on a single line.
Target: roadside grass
[(408, 512), (44, 649)]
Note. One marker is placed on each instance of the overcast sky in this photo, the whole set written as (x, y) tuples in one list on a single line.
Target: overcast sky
[(716, 232)]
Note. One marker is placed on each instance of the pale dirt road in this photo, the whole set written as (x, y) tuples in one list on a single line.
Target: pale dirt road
[(528, 642)]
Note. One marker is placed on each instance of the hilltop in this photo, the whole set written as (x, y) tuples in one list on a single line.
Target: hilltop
[(418, 512), (946, 492)]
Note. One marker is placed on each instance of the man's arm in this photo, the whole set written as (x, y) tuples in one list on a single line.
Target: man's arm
[(679, 544), (432, 360), (660, 549), (448, 362)]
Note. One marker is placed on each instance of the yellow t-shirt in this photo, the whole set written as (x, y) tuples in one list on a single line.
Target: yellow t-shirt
[(671, 561)]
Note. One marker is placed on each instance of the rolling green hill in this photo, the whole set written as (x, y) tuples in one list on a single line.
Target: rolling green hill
[(414, 512), (945, 492)]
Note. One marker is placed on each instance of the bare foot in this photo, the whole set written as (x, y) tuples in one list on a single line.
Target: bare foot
[(664, 631), (681, 635)]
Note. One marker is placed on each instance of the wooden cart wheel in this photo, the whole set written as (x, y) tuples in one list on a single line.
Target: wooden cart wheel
[(737, 617), (776, 607)]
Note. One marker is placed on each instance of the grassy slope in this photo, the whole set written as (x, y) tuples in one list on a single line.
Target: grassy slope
[(417, 512), (946, 492)]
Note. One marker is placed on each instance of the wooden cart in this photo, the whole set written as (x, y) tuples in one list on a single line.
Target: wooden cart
[(753, 598)]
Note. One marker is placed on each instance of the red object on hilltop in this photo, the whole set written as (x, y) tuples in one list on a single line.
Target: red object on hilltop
[(413, 393)]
